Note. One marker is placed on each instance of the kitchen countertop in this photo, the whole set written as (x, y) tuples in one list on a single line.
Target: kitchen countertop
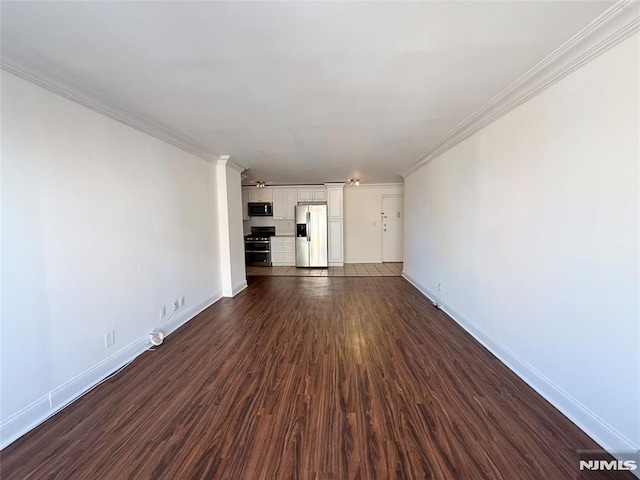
[(290, 235)]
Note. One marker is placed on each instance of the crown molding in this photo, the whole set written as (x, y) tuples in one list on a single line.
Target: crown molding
[(613, 26), (35, 69), (225, 160), (374, 185)]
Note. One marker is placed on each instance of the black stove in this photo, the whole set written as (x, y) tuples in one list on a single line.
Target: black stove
[(255, 238), (261, 233), (257, 246)]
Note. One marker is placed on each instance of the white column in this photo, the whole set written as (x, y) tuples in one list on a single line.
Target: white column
[(229, 196)]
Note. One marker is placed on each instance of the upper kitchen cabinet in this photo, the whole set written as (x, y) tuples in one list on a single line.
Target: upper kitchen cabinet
[(260, 194), (284, 203), (312, 194), (245, 208)]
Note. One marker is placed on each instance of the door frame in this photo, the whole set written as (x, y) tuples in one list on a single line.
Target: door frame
[(382, 197)]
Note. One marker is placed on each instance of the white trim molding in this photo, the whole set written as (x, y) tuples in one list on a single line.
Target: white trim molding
[(239, 288), (225, 160), (375, 185), (616, 24), (594, 426), (35, 69), (63, 395)]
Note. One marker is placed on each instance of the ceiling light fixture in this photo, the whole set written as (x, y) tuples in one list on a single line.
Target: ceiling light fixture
[(354, 181), (261, 184)]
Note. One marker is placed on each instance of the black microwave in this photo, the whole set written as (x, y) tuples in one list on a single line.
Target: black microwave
[(260, 209)]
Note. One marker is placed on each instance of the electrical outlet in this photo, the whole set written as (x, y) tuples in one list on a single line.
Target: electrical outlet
[(162, 311), (109, 338), (181, 303), (175, 304)]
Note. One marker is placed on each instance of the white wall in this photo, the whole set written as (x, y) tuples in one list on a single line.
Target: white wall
[(532, 227), (101, 225), (363, 233)]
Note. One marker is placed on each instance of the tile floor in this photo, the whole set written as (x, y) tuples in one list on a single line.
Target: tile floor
[(349, 270)]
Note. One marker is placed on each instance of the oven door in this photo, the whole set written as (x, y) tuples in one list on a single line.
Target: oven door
[(257, 253)]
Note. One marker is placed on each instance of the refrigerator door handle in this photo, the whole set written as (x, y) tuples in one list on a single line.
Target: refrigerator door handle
[(308, 225)]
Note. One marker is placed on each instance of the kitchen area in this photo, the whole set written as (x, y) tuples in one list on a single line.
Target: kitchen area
[(300, 230), (293, 226)]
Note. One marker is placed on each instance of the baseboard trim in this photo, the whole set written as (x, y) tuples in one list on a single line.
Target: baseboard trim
[(191, 312), (238, 288), (589, 422), (60, 397)]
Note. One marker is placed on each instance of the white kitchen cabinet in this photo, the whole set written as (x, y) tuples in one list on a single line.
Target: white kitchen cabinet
[(284, 202), (334, 202), (312, 194), (335, 208), (283, 251), (278, 203), (245, 208), (319, 194), (335, 242), (305, 195), (254, 194), (260, 194), (290, 204)]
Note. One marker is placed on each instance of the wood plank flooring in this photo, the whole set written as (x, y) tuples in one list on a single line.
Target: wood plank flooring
[(387, 269), (309, 378)]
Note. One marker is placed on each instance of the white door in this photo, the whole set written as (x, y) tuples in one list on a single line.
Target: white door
[(392, 227)]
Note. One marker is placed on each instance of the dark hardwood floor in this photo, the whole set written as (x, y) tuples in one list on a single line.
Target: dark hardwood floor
[(309, 378)]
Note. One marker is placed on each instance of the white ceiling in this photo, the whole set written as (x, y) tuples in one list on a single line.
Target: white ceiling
[(301, 92)]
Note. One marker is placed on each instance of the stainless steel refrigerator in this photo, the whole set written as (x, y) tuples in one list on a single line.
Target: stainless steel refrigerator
[(311, 235)]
